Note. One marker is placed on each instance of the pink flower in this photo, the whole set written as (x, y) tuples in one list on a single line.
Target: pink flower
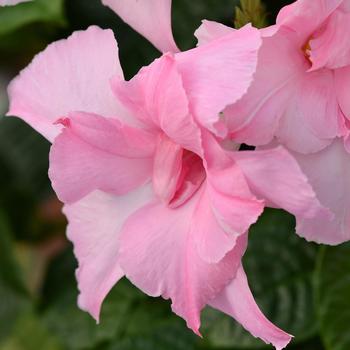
[(299, 99), (11, 2), (149, 192), (297, 96)]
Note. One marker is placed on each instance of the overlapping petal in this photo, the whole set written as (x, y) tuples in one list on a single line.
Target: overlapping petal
[(237, 301), (304, 16), (158, 254), (157, 97), (342, 83), (69, 75), (95, 153), (219, 73), (233, 207), (94, 225), (287, 188), (329, 47), (329, 174)]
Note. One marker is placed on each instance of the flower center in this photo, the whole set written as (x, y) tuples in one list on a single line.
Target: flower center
[(306, 48), (177, 173)]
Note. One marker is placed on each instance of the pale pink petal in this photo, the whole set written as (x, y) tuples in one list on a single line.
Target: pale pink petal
[(158, 254), (237, 301), (304, 16), (254, 118), (11, 2), (342, 83), (329, 173), (312, 118), (274, 175), (329, 47), (151, 18), (110, 135), (220, 220), (69, 75), (94, 226), (228, 204), (210, 30), (82, 161), (167, 168), (156, 96), (219, 73)]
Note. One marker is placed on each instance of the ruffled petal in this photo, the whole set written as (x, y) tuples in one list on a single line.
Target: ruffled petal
[(329, 173), (304, 16), (255, 117), (228, 204), (329, 47), (94, 224), (69, 75), (210, 30), (274, 175), (156, 96), (151, 18), (312, 118), (219, 73), (237, 301), (99, 154), (158, 254)]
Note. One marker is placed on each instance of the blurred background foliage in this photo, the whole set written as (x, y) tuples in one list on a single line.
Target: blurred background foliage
[(302, 287)]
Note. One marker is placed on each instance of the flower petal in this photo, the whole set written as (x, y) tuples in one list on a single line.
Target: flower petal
[(219, 73), (228, 205), (157, 97), (312, 118), (342, 83), (158, 254), (329, 172), (151, 18), (210, 30), (329, 47), (83, 160), (304, 16), (237, 301), (274, 175), (69, 75), (94, 224), (254, 118)]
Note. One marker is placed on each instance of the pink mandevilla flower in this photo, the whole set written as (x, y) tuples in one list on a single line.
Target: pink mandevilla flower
[(149, 192), (299, 98)]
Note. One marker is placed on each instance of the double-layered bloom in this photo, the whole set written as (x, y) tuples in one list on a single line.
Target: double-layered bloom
[(149, 191), (299, 96)]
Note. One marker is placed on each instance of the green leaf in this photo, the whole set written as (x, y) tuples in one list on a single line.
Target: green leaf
[(129, 318), (14, 17), (31, 334), (13, 296), (280, 267), (167, 335), (10, 274), (333, 296), (76, 328)]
